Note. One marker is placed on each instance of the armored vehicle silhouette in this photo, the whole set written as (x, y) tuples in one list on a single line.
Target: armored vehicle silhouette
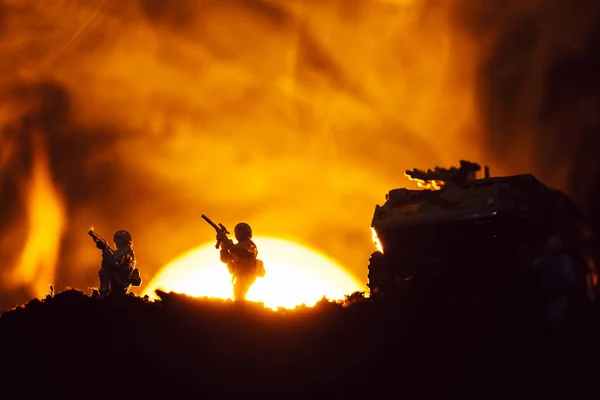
[(469, 237)]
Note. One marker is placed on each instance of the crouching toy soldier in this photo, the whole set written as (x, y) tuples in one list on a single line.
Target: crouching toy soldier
[(118, 271)]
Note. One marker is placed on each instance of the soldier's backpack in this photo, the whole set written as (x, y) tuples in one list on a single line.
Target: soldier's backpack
[(135, 279), (260, 269)]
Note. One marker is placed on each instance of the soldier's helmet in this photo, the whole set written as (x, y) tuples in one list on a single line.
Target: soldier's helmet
[(122, 238), (242, 230)]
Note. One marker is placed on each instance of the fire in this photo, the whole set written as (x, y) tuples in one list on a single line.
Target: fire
[(45, 215), (427, 185), (431, 185), (293, 115), (376, 241)]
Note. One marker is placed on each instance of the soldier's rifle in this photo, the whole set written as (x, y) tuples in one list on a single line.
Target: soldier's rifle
[(99, 240), (219, 228)]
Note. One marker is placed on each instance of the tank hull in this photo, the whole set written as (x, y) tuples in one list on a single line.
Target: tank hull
[(478, 240)]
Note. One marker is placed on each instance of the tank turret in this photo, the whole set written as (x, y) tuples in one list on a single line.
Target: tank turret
[(438, 177)]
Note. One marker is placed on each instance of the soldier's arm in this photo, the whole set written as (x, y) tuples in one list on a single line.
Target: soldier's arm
[(225, 256), (226, 243), (108, 260), (227, 253), (245, 250)]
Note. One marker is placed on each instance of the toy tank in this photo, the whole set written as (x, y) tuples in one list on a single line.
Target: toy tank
[(471, 235)]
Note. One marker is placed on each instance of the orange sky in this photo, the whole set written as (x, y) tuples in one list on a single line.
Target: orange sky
[(296, 116)]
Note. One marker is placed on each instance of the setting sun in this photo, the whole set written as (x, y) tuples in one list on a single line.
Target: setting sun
[(295, 275)]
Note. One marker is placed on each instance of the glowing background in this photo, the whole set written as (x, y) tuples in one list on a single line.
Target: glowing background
[(296, 116), (295, 275)]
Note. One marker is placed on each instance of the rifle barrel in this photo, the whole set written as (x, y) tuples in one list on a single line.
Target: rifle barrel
[(210, 222)]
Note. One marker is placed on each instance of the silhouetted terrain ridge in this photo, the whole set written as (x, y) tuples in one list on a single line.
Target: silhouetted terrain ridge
[(181, 347)]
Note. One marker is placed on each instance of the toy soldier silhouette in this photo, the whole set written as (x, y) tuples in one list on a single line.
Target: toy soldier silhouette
[(118, 271), (241, 257)]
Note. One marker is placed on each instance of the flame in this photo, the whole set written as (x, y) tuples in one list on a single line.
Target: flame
[(427, 185), (276, 111), (295, 116), (376, 241), (431, 185), (45, 213)]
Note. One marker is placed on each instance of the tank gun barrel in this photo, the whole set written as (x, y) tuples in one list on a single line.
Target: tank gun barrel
[(438, 174)]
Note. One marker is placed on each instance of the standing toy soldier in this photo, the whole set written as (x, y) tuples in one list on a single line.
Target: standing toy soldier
[(241, 257)]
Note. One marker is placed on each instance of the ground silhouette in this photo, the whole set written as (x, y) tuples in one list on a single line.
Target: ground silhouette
[(71, 344)]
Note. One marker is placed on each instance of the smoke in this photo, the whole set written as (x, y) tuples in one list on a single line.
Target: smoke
[(538, 83), (539, 90), (295, 116), (288, 115)]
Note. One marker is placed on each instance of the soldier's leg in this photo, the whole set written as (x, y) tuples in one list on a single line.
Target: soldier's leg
[(245, 284), (120, 284), (104, 281), (238, 290), (250, 282), (117, 288), (244, 290)]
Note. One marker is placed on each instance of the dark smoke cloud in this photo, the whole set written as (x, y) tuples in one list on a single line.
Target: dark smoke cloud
[(571, 110), (539, 87)]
